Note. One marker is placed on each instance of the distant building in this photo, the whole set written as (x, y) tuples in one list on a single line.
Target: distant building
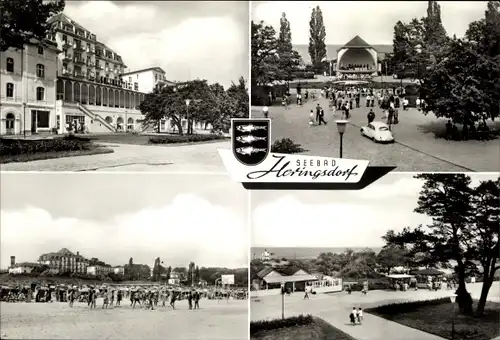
[(146, 80), (266, 256), (65, 261), (175, 278), (99, 270), (119, 270), (23, 268)]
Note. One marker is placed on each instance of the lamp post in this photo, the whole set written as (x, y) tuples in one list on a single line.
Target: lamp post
[(283, 299), (453, 298), (188, 101), (341, 126)]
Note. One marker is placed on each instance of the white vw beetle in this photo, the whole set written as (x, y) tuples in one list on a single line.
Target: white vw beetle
[(378, 132)]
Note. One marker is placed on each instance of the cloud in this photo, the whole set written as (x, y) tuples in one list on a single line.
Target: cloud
[(210, 45), (188, 229), (372, 20)]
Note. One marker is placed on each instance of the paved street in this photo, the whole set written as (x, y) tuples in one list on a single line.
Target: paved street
[(416, 148), (187, 158), (335, 308)]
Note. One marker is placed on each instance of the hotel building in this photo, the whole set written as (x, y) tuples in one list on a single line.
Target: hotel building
[(99, 270), (73, 82), (65, 261)]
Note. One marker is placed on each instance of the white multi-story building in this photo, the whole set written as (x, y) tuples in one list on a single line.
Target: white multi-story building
[(146, 80), (99, 270), (23, 268), (65, 261), (27, 80)]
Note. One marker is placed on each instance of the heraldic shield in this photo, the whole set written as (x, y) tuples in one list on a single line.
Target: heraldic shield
[(251, 140)]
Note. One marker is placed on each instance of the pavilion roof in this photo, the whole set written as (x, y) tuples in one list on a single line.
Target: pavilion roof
[(356, 42)]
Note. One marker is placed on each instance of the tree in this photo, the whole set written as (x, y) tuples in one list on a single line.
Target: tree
[(191, 273), (22, 21), (288, 59), (169, 272), (447, 199), (131, 261), (264, 67), (391, 256), (435, 34), (197, 275), (208, 103), (463, 86), (239, 93), (484, 245), (317, 35)]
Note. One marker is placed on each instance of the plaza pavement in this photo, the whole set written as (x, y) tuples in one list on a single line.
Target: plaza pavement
[(223, 321), (416, 148), (335, 308), (200, 158)]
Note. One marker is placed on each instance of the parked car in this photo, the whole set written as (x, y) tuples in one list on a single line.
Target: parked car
[(378, 132)]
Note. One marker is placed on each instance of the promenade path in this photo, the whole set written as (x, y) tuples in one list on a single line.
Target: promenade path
[(416, 147), (198, 158), (335, 308)]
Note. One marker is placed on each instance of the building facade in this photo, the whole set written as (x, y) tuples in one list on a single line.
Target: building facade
[(27, 96), (65, 261), (146, 80), (119, 270), (91, 95), (99, 270), (23, 268)]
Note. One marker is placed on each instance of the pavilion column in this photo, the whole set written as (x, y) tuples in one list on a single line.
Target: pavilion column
[(293, 287)]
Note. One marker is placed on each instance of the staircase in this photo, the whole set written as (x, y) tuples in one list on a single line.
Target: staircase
[(96, 117)]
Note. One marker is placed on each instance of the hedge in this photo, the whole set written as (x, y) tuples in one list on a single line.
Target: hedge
[(174, 139), (301, 320), (406, 307), (15, 147)]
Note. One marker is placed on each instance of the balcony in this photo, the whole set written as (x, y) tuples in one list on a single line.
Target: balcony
[(79, 61), (78, 47), (81, 75), (67, 58), (90, 50), (98, 66), (90, 64), (91, 77), (67, 44), (68, 29), (67, 72)]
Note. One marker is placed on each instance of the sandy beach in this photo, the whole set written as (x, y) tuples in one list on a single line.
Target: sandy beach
[(223, 320)]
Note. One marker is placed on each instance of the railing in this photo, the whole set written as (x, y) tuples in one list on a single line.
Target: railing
[(67, 43), (80, 74), (79, 60), (90, 63), (78, 47), (90, 50), (97, 117), (67, 56), (99, 67)]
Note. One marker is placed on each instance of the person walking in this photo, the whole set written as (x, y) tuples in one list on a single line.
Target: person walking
[(311, 118), (371, 116), (322, 117), (318, 112), (306, 290), (360, 315), (352, 316)]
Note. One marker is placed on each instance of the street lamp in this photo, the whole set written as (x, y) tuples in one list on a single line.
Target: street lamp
[(188, 101), (341, 126), (418, 49), (453, 298)]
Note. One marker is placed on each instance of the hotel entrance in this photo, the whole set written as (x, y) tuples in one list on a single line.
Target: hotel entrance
[(39, 120)]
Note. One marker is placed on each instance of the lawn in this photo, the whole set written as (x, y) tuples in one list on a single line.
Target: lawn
[(166, 139), (435, 317), (26, 150), (317, 330)]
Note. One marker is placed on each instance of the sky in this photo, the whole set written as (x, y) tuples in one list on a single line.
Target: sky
[(113, 217), (188, 40), (372, 20), (339, 218)]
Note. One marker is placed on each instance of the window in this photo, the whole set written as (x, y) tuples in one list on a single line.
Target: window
[(40, 71), (156, 77), (136, 86), (384, 128), (40, 50), (129, 79), (40, 93), (10, 90), (10, 64)]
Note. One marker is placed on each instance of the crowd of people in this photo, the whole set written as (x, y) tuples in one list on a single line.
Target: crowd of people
[(357, 67), (110, 296)]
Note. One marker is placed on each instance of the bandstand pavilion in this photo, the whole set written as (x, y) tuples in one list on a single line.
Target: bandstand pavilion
[(356, 60)]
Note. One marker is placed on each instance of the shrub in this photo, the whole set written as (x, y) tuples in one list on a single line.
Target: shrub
[(174, 139), (15, 147), (286, 145), (300, 320), (406, 307)]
